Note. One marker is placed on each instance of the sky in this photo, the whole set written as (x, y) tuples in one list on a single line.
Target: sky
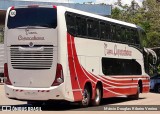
[(94, 1), (123, 1)]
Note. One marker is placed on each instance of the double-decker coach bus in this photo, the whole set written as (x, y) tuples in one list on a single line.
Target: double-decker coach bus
[(59, 53)]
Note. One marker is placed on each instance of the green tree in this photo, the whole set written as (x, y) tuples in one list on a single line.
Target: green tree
[(116, 13), (147, 16), (152, 19)]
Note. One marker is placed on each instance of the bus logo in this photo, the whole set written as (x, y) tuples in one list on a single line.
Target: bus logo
[(116, 51), (29, 32), (31, 44)]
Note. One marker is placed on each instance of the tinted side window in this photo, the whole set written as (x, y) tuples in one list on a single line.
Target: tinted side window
[(113, 32), (108, 26), (93, 28), (118, 33), (132, 40), (123, 34), (70, 20), (128, 36), (136, 37), (132, 36), (81, 26), (105, 31), (111, 66)]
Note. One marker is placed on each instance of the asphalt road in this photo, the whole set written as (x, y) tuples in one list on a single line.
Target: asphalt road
[(145, 99)]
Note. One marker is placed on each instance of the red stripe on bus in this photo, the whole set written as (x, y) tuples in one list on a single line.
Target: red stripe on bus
[(78, 82)]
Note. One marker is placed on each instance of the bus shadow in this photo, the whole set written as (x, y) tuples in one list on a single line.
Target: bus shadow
[(76, 107), (64, 106), (107, 102), (115, 100)]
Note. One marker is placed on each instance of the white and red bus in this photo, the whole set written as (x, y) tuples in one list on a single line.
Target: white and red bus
[(59, 53)]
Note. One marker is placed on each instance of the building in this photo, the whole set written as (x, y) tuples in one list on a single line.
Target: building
[(104, 10)]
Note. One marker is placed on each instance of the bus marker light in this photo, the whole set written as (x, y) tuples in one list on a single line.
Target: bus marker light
[(12, 8), (54, 6)]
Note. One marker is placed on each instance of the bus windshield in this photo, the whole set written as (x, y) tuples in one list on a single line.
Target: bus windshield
[(42, 17)]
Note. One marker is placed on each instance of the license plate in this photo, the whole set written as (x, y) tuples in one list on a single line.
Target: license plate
[(30, 93)]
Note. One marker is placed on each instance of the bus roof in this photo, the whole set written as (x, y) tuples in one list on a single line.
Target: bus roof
[(100, 17), (88, 14)]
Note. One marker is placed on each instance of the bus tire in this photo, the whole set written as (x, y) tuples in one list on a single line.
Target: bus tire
[(98, 96), (136, 96), (86, 97)]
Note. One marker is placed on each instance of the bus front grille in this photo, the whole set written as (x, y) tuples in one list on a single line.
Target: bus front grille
[(31, 59)]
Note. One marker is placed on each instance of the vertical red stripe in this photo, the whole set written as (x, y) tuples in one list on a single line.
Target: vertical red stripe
[(72, 69)]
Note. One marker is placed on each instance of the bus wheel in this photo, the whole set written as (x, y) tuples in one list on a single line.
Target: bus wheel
[(98, 96), (86, 97), (136, 96)]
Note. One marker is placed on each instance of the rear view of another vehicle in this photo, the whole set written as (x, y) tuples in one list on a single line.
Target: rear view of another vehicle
[(155, 83)]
